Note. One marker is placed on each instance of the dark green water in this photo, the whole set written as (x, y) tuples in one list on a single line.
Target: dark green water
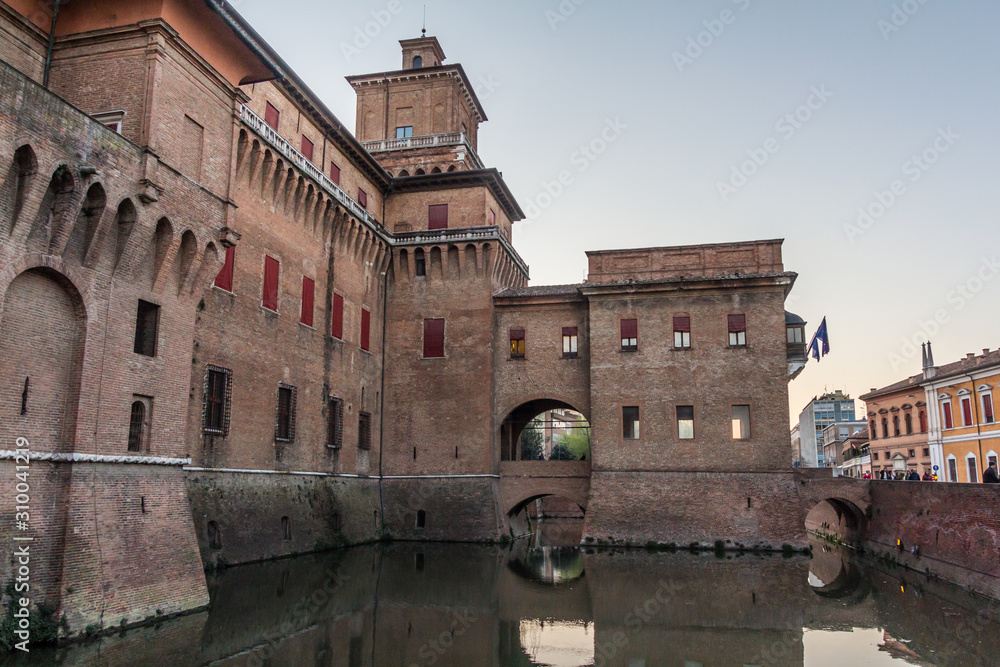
[(409, 604)]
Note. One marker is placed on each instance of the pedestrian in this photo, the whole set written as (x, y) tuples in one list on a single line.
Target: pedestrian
[(990, 475), (914, 476), (927, 476)]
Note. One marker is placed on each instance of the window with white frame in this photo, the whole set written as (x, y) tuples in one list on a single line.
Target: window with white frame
[(973, 466), (986, 400), (967, 418)]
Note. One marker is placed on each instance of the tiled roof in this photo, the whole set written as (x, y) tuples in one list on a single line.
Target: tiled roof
[(538, 290), (960, 367)]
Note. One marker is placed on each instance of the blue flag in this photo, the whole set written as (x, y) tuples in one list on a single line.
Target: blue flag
[(820, 344)]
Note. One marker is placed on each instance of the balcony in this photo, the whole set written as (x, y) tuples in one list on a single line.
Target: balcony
[(455, 235), (428, 141), (277, 142)]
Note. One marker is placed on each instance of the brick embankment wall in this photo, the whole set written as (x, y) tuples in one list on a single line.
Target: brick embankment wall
[(455, 509), (247, 509), (955, 527), (740, 509)]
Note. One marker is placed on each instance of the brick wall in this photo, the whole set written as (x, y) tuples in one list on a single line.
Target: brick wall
[(954, 526)]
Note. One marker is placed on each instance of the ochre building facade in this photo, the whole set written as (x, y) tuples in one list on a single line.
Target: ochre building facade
[(231, 329)]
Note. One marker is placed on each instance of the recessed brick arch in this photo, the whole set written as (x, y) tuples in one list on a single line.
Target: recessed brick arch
[(841, 503), (514, 419), (570, 490), (43, 332)]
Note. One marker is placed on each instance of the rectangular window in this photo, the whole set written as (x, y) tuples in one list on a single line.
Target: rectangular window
[(147, 322), (973, 469), (308, 289), (437, 216), (927, 452), (987, 400), (685, 422), (419, 263), (224, 280), (335, 423), (630, 335), (335, 173), (364, 430), (491, 218), (682, 332), (912, 453), (363, 198), (284, 428), (967, 411), (952, 470), (404, 132), (218, 392), (737, 330), (271, 116), (569, 341), (337, 317), (630, 422), (795, 335), (517, 343), (192, 145), (875, 456), (433, 338), (270, 297), (366, 328), (307, 148), (946, 414), (741, 422)]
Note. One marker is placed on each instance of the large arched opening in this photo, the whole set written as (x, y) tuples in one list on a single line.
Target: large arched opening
[(545, 429), (839, 519)]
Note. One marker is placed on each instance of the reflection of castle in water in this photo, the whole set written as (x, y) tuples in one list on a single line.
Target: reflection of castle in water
[(462, 604)]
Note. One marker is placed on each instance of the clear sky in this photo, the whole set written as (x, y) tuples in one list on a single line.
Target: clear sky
[(730, 120)]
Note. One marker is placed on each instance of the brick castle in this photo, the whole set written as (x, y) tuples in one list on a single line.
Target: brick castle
[(233, 330)]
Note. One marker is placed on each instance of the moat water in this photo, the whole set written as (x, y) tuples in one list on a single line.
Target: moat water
[(546, 602)]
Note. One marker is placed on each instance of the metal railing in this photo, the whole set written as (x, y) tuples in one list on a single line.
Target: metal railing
[(268, 134), (446, 139)]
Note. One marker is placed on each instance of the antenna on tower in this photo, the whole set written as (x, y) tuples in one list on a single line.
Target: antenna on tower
[(423, 31)]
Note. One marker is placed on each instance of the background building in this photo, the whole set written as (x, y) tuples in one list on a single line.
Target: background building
[(836, 438), (822, 411)]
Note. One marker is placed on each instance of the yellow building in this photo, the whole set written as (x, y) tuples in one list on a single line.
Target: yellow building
[(962, 399)]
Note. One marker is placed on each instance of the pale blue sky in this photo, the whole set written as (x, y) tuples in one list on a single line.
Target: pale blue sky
[(551, 86)]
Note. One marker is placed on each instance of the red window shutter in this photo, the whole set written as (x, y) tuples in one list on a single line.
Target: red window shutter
[(630, 328), (308, 288), (307, 148), (966, 411), (517, 334), (946, 408), (492, 218), (270, 299), (225, 278), (271, 116), (569, 331), (335, 173), (988, 408), (337, 328), (737, 323), (363, 198), (434, 338), (366, 325), (682, 324), (437, 216)]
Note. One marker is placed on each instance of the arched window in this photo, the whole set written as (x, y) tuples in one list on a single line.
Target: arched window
[(923, 422), (137, 427), (895, 425), (436, 170), (908, 419), (418, 62), (419, 172), (885, 427), (871, 424), (404, 173), (421, 518)]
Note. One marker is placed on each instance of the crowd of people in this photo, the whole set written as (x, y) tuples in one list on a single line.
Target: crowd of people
[(990, 475)]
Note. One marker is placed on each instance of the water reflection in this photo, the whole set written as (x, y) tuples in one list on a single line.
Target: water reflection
[(408, 604)]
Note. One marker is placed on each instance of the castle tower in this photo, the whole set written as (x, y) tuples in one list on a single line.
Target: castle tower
[(423, 118)]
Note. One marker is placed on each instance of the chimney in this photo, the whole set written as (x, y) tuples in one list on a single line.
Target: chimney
[(986, 351), (970, 355), (929, 370)]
